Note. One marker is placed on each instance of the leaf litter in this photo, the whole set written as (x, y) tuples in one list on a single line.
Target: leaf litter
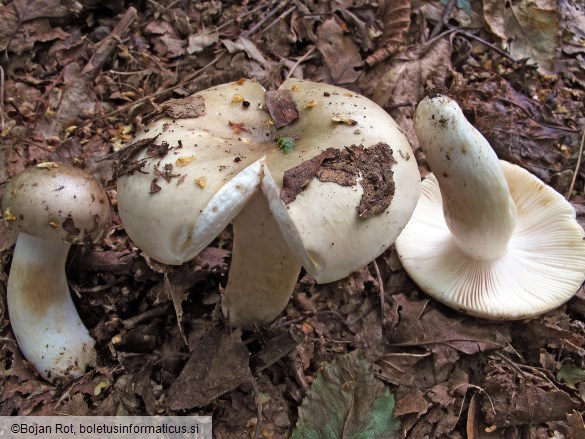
[(72, 73)]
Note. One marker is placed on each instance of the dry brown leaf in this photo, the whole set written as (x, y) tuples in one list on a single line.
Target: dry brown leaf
[(218, 363), (399, 84), (424, 326), (519, 129), (395, 15), (519, 396), (340, 53), (529, 29), (22, 22)]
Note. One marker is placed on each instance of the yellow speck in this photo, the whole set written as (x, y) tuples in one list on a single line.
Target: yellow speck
[(101, 385), (8, 215), (296, 87), (269, 122), (49, 112), (126, 129), (342, 118), (48, 165), (349, 95), (240, 81), (53, 223), (184, 161), (201, 181), (237, 98), (311, 104)]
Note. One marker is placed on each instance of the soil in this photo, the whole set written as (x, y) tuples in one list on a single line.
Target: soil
[(73, 75)]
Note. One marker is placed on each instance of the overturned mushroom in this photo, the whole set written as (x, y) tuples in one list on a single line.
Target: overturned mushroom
[(487, 237), (310, 174), (52, 205)]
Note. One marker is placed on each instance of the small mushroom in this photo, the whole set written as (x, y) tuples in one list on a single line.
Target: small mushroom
[(299, 187), (487, 237), (52, 205)]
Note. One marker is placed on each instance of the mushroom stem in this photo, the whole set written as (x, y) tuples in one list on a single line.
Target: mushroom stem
[(263, 272), (45, 322), (477, 204)]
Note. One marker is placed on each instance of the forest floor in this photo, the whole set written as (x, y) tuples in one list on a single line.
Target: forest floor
[(72, 71)]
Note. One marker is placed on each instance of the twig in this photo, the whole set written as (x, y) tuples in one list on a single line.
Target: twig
[(107, 46), (148, 315), (264, 19), (258, 432), (485, 43), (20, 21), (188, 80), (300, 60), (1, 99), (381, 291), (277, 19), (443, 21), (576, 167)]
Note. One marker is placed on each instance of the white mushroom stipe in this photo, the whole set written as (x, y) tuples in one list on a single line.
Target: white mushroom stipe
[(49, 332), (236, 172), (249, 299), (53, 205), (487, 237)]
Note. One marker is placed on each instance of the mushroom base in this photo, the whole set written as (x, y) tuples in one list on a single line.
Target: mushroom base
[(46, 324), (263, 272)]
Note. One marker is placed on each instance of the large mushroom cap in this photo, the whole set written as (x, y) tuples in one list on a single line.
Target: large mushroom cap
[(340, 196), (58, 202), (487, 237)]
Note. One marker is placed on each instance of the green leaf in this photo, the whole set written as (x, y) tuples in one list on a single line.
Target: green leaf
[(346, 401), (571, 375), (286, 144)]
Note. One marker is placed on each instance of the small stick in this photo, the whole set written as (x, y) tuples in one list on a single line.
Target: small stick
[(301, 59), (277, 19), (264, 19), (154, 95), (485, 43), (107, 46), (381, 291), (576, 167), (443, 21), (1, 98)]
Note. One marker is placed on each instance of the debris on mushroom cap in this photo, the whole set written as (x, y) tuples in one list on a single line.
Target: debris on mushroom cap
[(58, 202), (487, 237), (323, 215)]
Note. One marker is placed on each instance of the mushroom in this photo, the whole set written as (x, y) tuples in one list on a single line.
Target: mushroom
[(310, 174), (52, 205), (487, 237)]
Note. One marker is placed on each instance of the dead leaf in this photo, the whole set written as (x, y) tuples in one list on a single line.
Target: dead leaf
[(282, 107), (522, 397), (276, 345), (22, 22), (529, 28), (412, 401), (401, 82), (519, 129), (244, 44), (202, 40), (218, 363), (340, 53), (445, 335), (395, 15)]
